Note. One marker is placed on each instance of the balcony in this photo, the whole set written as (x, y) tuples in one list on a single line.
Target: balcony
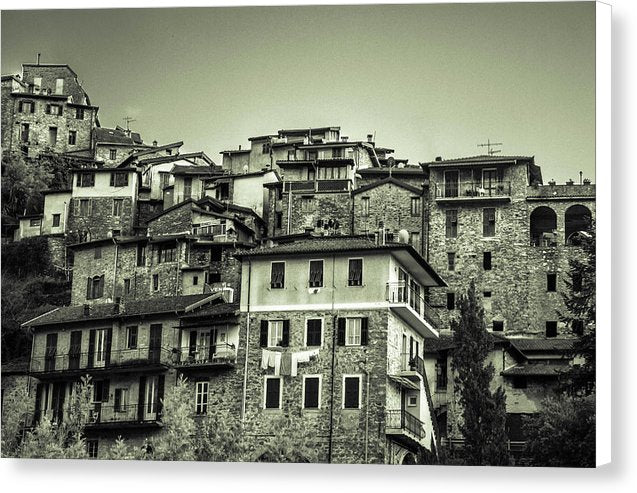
[(220, 356), (473, 191), (412, 366), (125, 416), (410, 305), (404, 427), (318, 186), (120, 360)]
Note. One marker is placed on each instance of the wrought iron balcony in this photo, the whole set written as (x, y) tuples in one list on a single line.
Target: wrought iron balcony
[(412, 307), (222, 355), (412, 363), (400, 423), (78, 362), (472, 190), (125, 415)]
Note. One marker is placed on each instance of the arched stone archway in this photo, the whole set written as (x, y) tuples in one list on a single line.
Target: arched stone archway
[(543, 224), (409, 459), (577, 218)]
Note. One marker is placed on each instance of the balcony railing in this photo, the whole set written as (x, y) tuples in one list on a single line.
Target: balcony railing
[(318, 186), (210, 229), (402, 420), (411, 362), (219, 354), (399, 293), (472, 190), (124, 414), (101, 360)]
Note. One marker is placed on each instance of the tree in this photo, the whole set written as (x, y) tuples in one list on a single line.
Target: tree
[(219, 438), (562, 434), (65, 440), (292, 442), (483, 423), (23, 181), (122, 451), (15, 411)]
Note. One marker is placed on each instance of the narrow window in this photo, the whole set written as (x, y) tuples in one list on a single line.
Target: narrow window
[(59, 86), (451, 225), (451, 261), (316, 273), (441, 373), (551, 328), (201, 397), (551, 282), (84, 207), (187, 187), (79, 113), (365, 206), (72, 137), (311, 392), (488, 222), (195, 280), (519, 382), (279, 220), (126, 286), (486, 260), (117, 207), (98, 252), (451, 301), (498, 326), (355, 273), (112, 154), (415, 206), (272, 393), (275, 333), (351, 392), (24, 132), (53, 135), (353, 332), (277, 275), (141, 255), (314, 332), (155, 282), (91, 448), (56, 220), (121, 400)]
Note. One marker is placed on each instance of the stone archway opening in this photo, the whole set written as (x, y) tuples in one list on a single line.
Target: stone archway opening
[(543, 227), (577, 220)]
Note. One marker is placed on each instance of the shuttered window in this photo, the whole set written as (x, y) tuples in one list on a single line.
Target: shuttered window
[(311, 392), (314, 329), (95, 287), (355, 272), (275, 333), (488, 222), (277, 275), (272, 392), (451, 225), (86, 180), (351, 392), (316, 273)]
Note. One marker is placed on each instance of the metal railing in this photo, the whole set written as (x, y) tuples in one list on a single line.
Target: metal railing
[(399, 293), (210, 229), (342, 185), (472, 189), (458, 444), (412, 362), (402, 420), (116, 358), (126, 413), (221, 353)]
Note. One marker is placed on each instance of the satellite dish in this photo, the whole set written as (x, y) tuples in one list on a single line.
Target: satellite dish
[(403, 236)]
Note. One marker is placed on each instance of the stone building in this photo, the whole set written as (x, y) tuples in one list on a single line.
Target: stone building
[(336, 330), (46, 110), (491, 220)]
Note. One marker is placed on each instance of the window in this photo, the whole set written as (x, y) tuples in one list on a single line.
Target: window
[(519, 382), (313, 335), (415, 206), (498, 325), (126, 286), (56, 220), (352, 331), (441, 373), (155, 282), (91, 448), (316, 273), (451, 183), (265, 148), (578, 327), (216, 253), (85, 207), (551, 328), (486, 260), (277, 275), (451, 261), (120, 403), (97, 252), (451, 226), (195, 280), (187, 187), (164, 179), (272, 393), (53, 109), (365, 206), (79, 113), (95, 287), (351, 392), (117, 207), (72, 137), (53, 135), (311, 392), (487, 294), (414, 239), (577, 282), (59, 86), (412, 401), (112, 154), (116, 232), (166, 253), (26, 107), (488, 222), (34, 222), (307, 204), (24, 132), (355, 274), (119, 179), (141, 255), (275, 333), (551, 282), (201, 397), (278, 220), (86, 180), (451, 301)]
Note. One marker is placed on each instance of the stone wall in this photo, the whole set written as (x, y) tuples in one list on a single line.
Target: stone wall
[(101, 221), (325, 206), (177, 220)]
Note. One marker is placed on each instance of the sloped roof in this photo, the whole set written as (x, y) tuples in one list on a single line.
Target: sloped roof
[(535, 370), (478, 159), (113, 136), (214, 310), (548, 345), (387, 181)]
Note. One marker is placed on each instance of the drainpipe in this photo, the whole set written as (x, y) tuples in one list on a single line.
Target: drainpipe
[(115, 267), (366, 417), (334, 331), (245, 365), (289, 205)]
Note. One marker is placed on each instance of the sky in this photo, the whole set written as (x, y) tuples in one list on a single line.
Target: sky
[(427, 80)]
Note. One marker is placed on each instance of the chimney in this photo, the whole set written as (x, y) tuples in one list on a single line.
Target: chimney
[(344, 138), (239, 146), (580, 177), (551, 182), (570, 182), (154, 143), (370, 137), (438, 158), (87, 310)]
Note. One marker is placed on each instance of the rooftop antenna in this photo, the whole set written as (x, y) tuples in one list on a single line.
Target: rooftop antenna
[(128, 120), (489, 146)]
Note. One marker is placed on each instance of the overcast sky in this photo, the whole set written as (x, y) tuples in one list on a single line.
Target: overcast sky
[(428, 80)]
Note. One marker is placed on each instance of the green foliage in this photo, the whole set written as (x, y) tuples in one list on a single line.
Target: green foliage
[(562, 434), (15, 411), (292, 442), (483, 412), (219, 438), (122, 451), (23, 181)]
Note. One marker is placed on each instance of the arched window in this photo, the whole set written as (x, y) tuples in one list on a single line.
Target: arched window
[(577, 219), (543, 227)]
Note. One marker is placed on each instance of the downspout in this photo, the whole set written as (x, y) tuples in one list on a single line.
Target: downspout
[(30, 379), (245, 365), (334, 331), (115, 267), (177, 270), (289, 205), (366, 417)]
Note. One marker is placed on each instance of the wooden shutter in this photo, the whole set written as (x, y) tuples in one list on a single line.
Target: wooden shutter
[(285, 340), (47, 110), (33, 107), (60, 110), (109, 342), (106, 387), (160, 394), (91, 347), (364, 331), (340, 338), (89, 283), (20, 107), (273, 390), (263, 340), (192, 345), (38, 400), (140, 399), (117, 402), (90, 207), (311, 392), (112, 179)]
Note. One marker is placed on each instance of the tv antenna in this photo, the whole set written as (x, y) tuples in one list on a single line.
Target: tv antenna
[(489, 146), (128, 120)]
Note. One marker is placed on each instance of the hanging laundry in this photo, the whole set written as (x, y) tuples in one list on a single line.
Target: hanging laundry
[(302, 357), (286, 364)]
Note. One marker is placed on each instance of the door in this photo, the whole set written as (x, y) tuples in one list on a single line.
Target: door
[(150, 398), (489, 181), (75, 350), (99, 355), (203, 346), (403, 279), (154, 345), (451, 183), (51, 352)]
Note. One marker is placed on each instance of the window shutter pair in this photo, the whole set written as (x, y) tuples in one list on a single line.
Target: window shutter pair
[(263, 338), (340, 336)]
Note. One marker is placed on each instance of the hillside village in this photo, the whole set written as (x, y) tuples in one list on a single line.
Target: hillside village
[(309, 274)]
